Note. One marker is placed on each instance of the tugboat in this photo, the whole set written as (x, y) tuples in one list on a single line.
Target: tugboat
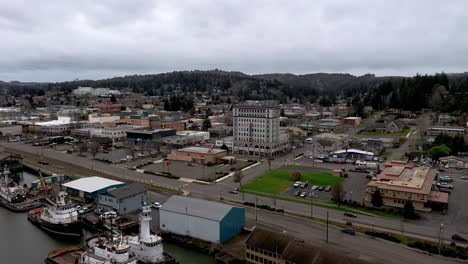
[(148, 247), (108, 251), (12, 196), (60, 219)]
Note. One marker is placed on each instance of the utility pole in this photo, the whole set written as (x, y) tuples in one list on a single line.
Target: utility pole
[(327, 227), (440, 237), (311, 207), (256, 208)]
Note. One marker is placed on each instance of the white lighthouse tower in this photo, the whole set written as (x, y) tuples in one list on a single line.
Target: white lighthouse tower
[(147, 247)]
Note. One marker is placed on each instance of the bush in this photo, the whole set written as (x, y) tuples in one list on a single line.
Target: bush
[(384, 236), (280, 210), (210, 164)]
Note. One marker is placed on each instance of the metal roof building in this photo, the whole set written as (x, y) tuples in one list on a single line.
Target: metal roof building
[(124, 199), (201, 219), (91, 187)]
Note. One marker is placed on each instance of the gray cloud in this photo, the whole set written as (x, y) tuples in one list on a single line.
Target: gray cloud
[(58, 40)]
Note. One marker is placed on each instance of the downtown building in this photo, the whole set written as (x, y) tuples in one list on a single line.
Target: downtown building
[(257, 129)]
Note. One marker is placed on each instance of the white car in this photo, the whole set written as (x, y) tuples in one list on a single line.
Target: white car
[(315, 187), (156, 205), (297, 184), (129, 157)]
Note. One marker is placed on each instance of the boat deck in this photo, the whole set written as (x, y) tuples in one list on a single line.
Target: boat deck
[(68, 255)]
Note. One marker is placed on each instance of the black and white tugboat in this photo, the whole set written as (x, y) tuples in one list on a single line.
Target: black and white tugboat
[(61, 218), (13, 196), (148, 247), (104, 250)]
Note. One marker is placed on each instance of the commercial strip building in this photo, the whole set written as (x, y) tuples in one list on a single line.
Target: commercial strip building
[(455, 162), (61, 126), (123, 200), (199, 155), (102, 118), (205, 220), (257, 129), (91, 187), (352, 121), (80, 91), (148, 135), (449, 130), (187, 137), (400, 182)]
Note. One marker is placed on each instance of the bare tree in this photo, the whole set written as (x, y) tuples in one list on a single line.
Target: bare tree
[(238, 176), (93, 148), (338, 193), (296, 176)]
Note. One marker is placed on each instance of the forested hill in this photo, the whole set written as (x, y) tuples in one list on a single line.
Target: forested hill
[(271, 86), (380, 92)]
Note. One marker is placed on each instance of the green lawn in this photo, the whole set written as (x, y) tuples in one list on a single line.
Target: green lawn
[(277, 181), (386, 154), (400, 134)]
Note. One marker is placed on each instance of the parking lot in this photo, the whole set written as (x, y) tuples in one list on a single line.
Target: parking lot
[(457, 212), (354, 186), (194, 170)]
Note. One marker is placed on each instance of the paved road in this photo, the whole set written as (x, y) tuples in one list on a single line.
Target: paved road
[(359, 246)]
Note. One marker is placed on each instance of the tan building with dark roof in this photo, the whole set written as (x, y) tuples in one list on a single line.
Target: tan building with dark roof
[(400, 182), (267, 247)]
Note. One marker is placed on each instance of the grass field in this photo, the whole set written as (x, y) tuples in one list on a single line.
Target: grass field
[(400, 134), (277, 181), (386, 154)]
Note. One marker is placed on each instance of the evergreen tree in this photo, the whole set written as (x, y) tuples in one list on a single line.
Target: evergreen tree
[(376, 199), (408, 211), (206, 124)]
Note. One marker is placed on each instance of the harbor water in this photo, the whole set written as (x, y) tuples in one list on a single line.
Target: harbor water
[(23, 243)]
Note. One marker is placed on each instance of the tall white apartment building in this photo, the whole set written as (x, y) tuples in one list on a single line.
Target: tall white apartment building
[(257, 129)]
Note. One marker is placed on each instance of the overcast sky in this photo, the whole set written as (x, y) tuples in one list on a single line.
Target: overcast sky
[(60, 40)]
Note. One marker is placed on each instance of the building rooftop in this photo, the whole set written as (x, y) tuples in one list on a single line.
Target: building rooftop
[(202, 150), (399, 177), (127, 190), (196, 207), (294, 251), (263, 103), (91, 184), (361, 152)]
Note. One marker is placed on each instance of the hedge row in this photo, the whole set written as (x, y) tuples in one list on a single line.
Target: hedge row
[(383, 236)]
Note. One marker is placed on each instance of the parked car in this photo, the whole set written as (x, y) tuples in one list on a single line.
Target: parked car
[(321, 188), (328, 188), (233, 191), (123, 159), (297, 193), (156, 205), (303, 185), (349, 231), (129, 157), (98, 211), (457, 237), (445, 185), (348, 214), (303, 194), (297, 184), (190, 164), (446, 179), (315, 187), (464, 177)]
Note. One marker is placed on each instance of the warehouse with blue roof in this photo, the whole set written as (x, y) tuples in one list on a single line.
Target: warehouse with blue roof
[(205, 220)]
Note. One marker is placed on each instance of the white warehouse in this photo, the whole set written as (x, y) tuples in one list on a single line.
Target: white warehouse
[(205, 220)]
